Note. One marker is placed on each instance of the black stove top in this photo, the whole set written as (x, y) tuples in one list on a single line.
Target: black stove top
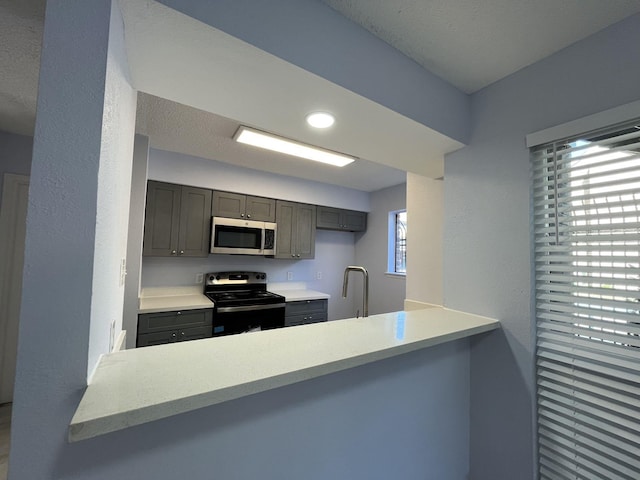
[(239, 289)]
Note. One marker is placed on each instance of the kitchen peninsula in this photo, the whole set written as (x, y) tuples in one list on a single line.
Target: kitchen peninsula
[(137, 386)]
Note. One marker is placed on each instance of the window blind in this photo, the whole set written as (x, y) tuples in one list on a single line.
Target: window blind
[(586, 199)]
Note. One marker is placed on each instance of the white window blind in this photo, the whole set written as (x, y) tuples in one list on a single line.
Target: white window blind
[(586, 198)]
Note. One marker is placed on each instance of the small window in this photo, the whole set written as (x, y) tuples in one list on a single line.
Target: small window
[(397, 253)]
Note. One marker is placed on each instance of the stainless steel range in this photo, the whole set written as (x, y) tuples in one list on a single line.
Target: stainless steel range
[(242, 302)]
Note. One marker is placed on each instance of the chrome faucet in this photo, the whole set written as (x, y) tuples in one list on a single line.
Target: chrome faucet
[(365, 292)]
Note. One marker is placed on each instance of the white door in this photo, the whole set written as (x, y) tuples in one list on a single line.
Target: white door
[(13, 215)]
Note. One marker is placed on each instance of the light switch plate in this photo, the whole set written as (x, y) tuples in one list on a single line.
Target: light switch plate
[(123, 271), (199, 277)]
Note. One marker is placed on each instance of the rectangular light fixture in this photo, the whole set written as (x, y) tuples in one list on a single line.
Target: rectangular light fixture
[(275, 143)]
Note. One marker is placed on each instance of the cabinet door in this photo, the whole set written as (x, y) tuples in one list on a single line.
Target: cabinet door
[(261, 209), (195, 222), (354, 221), (329, 218), (285, 217), (162, 219), (305, 227), (227, 204)]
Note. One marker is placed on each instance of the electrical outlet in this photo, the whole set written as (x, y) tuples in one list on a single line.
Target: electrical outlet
[(318, 275), (289, 276), (199, 277)]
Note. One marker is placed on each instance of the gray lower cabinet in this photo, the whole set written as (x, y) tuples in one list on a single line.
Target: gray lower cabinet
[(177, 221), (236, 205), (329, 218), (296, 237), (305, 311), (176, 326)]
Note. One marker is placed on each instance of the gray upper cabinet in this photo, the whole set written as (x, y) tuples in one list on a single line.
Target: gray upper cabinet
[(296, 230), (177, 220), (337, 219), (236, 205)]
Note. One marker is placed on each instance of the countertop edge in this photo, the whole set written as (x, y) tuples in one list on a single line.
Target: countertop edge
[(82, 430)]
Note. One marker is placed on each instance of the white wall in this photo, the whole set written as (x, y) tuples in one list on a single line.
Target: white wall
[(80, 89), (134, 238), (424, 239), (487, 240), (114, 189), (201, 172), (386, 292)]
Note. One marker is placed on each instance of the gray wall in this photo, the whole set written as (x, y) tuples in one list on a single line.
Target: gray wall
[(386, 292), (487, 246), (15, 155)]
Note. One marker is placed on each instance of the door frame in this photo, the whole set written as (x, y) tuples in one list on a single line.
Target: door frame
[(13, 210)]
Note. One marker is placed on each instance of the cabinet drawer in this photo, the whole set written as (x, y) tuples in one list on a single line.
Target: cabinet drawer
[(156, 322), (294, 320), (195, 333), (306, 306), (157, 338)]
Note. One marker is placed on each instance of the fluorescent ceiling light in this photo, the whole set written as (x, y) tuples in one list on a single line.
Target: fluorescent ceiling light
[(320, 119), (275, 143)]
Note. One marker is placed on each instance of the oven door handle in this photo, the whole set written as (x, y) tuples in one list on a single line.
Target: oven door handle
[(249, 308)]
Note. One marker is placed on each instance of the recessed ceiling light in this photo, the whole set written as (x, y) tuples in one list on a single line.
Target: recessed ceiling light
[(279, 144), (320, 119)]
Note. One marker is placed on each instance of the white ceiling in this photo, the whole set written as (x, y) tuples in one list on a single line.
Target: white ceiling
[(473, 43), (469, 43)]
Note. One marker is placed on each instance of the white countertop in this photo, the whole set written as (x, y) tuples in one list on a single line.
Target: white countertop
[(136, 386), (300, 295), (166, 299)]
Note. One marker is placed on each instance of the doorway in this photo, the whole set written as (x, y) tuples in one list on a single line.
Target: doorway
[(13, 216)]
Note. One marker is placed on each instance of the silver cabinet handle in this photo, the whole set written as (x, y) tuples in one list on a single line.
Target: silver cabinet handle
[(182, 334), (181, 252), (248, 215), (173, 335), (173, 252), (293, 255), (298, 255), (242, 215), (179, 313)]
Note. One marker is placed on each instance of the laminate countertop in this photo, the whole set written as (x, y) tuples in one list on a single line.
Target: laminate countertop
[(132, 387)]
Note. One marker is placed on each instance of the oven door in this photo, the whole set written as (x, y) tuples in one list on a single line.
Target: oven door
[(230, 235), (247, 318)]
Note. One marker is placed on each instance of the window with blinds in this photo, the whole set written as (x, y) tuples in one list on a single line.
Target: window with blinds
[(586, 198)]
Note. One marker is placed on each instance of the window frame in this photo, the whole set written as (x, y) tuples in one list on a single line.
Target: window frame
[(392, 243), (587, 345)]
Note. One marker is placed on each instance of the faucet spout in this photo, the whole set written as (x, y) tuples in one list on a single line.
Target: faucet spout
[(365, 291)]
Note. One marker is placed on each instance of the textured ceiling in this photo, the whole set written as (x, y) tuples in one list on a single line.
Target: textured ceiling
[(473, 43), (470, 43)]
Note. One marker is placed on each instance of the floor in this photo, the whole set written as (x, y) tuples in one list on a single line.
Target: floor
[(5, 428)]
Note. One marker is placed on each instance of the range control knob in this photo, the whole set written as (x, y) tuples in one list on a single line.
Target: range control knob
[(211, 278), (264, 275), (218, 277), (257, 277)]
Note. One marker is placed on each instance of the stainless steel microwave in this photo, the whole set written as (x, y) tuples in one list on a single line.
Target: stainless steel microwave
[(243, 237)]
